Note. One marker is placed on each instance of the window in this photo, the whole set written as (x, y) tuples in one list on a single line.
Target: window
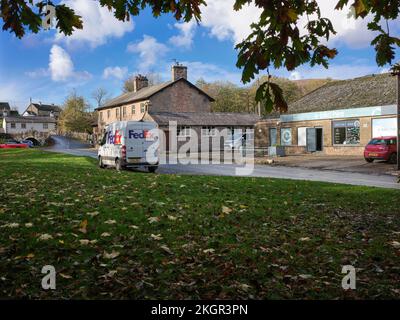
[(208, 131), (108, 114), (286, 136), (45, 125), (117, 112), (101, 116), (13, 126), (133, 110), (183, 131), (142, 107), (23, 125), (346, 132), (124, 111)]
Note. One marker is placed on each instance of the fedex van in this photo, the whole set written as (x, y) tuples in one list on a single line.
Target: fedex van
[(130, 144)]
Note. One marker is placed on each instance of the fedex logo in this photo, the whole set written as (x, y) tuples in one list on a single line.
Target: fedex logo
[(140, 134), (115, 138)]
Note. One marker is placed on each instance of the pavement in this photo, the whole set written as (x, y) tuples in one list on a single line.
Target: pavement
[(320, 171)]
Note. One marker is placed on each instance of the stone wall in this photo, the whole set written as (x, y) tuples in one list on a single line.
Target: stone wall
[(180, 97)]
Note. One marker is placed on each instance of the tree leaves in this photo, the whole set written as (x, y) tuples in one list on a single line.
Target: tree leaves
[(271, 95)]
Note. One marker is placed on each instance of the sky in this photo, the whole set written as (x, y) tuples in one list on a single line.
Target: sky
[(47, 66)]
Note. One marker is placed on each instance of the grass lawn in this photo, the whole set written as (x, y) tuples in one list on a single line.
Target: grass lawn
[(138, 235)]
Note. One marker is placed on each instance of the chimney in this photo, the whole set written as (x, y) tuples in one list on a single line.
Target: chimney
[(140, 82), (179, 71)]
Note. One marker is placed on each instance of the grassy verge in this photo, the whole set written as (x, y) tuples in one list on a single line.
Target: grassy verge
[(136, 235)]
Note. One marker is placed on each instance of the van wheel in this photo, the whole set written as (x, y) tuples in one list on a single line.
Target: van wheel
[(393, 158), (118, 165), (152, 169), (101, 164), (369, 160)]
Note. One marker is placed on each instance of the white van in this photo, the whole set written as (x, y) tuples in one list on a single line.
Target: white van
[(130, 144)]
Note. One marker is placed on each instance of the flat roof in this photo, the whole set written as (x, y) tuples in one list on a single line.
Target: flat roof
[(341, 114)]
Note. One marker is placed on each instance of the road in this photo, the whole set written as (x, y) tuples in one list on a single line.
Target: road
[(74, 147)]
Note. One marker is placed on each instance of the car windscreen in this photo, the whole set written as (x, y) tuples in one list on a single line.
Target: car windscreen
[(377, 142)]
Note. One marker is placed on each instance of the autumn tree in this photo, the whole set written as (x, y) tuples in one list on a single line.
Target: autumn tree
[(100, 95), (75, 116), (277, 40)]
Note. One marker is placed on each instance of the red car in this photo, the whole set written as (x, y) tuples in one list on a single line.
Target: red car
[(13, 144), (382, 148)]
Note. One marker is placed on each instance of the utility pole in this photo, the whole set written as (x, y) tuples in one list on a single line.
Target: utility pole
[(398, 120)]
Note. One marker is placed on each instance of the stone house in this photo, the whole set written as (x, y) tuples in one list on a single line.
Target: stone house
[(175, 100), (29, 127), (42, 110), (339, 118)]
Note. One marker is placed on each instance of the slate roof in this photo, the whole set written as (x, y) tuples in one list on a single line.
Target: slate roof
[(4, 106), (47, 107), (368, 91), (21, 119), (145, 93), (205, 118)]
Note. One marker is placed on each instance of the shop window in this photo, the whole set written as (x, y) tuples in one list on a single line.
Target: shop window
[(183, 131), (208, 131), (346, 132)]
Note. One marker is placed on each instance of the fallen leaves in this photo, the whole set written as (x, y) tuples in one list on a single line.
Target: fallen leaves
[(112, 255), (156, 237), (166, 249), (395, 244), (93, 214), (153, 219), (83, 226), (45, 237), (110, 222)]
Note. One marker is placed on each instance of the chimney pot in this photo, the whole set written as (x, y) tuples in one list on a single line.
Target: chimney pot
[(179, 71)]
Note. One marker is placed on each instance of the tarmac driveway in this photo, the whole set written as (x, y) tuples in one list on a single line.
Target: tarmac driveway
[(351, 164), (297, 168)]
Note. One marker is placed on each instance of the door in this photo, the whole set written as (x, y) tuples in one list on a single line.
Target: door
[(272, 137), (320, 139), (311, 139)]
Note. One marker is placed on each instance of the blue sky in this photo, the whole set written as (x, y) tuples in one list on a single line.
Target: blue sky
[(47, 66)]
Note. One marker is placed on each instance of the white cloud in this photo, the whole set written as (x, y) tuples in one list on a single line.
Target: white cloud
[(38, 73), (61, 67), (186, 34), (295, 75), (115, 72), (210, 72), (149, 50), (99, 24), (60, 64), (335, 71), (227, 24)]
